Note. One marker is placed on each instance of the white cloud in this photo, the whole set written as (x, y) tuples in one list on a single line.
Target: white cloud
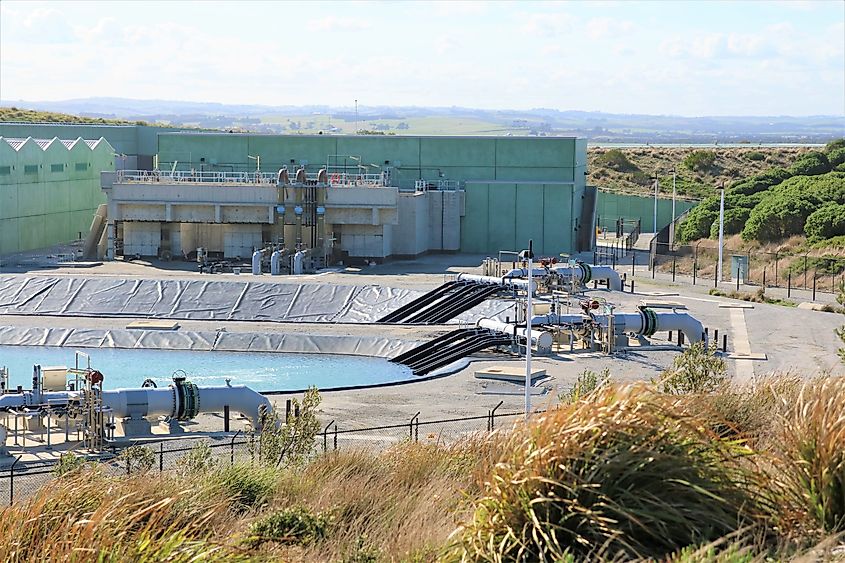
[(334, 23), (548, 24), (601, 28)]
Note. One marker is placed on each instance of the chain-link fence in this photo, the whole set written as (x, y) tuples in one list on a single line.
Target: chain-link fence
[(808, 271), (22, 479)]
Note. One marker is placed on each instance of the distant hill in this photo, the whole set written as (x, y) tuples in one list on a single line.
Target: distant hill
[(598, 127), (18, 114)]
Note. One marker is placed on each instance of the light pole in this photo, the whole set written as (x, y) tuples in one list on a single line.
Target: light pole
[(656, 187), (721, 188), (672, 224), (529, 255)]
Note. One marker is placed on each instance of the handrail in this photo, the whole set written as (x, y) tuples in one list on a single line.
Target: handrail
[(335, 179)]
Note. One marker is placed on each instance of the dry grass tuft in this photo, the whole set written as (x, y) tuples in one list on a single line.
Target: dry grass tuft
[(628, 472)]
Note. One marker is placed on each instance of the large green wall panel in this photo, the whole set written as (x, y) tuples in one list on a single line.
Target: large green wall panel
[(529, 216), (501, 226), (474, 223)]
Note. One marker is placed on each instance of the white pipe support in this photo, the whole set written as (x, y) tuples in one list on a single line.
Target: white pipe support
[(297, 262), (541, 339), (256, 263)]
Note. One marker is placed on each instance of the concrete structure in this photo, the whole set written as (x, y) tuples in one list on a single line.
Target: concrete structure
[(452, 194), (49, 190)]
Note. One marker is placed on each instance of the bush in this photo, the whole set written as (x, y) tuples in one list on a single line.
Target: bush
[(293, 442), (836, 156), (833, 145), (697, 370), (626, 474), (69, 463), (615, 159), (810, 164), (291, 525), (755, 156), (588, 381), (735, 220), (811, 455), (138, 458), (197, 461), (700, 160), (825, 222)]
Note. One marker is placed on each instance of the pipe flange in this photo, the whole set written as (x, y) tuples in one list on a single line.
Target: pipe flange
[(586, 273), (649, 321)]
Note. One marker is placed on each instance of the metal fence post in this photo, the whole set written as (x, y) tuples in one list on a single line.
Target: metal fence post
[(161, 457), (763, 285), (789, 284), (411, 426), (694, 270), (673, 268), (335, 437), (493, 415), (814, 284), (325, 436), (232, 448), (12, 480), (633, 264)]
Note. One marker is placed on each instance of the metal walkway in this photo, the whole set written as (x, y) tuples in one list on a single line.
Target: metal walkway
[(443, 303), (449, 348)]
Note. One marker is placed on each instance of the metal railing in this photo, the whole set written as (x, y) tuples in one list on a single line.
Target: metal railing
[(335, 179), (21, 480)]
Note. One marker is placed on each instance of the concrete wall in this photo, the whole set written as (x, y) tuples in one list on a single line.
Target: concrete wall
[(611, 207), (49, 191)]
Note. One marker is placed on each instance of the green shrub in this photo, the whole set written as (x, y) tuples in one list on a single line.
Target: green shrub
[(197, 461), (69, 463), (364, 552), (836, 156), (137, 458), (755, 155), (810, 164), (825, 222), (700, 160), (615, 159), (293, 442), (735, 220), (246, 484), (833, 145), (641, 178), (697, 370), (627, 474), (291, 525), (587, 382)]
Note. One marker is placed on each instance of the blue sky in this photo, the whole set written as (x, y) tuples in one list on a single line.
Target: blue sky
[(686, 58)]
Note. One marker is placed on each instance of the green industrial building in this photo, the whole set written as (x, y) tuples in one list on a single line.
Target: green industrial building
[(49, 190), (436, 193)]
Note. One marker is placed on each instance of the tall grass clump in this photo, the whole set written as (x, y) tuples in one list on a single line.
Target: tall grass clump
[(811, 453), (626, 473)]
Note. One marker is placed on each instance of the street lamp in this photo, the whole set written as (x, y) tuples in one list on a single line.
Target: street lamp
[(528, 255), (672, 224), (721, 188), (656, 186)]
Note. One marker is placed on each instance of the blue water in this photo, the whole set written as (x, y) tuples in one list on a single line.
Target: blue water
[(258, 370)]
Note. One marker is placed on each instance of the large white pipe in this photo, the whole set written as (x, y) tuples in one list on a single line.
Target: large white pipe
[(645, 322), (297, 262), (256, 263), (513, 282), (540, 338), (583, 273), (553, 319), (151, 401), (275, 263)]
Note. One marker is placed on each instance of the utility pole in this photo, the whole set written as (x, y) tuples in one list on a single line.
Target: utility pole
[(529, 312), (672, 227), (656, 187), (721, 188)]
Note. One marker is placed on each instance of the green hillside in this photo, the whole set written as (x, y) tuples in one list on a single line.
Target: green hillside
[(805, 198), (20, 114), (698, 171)]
